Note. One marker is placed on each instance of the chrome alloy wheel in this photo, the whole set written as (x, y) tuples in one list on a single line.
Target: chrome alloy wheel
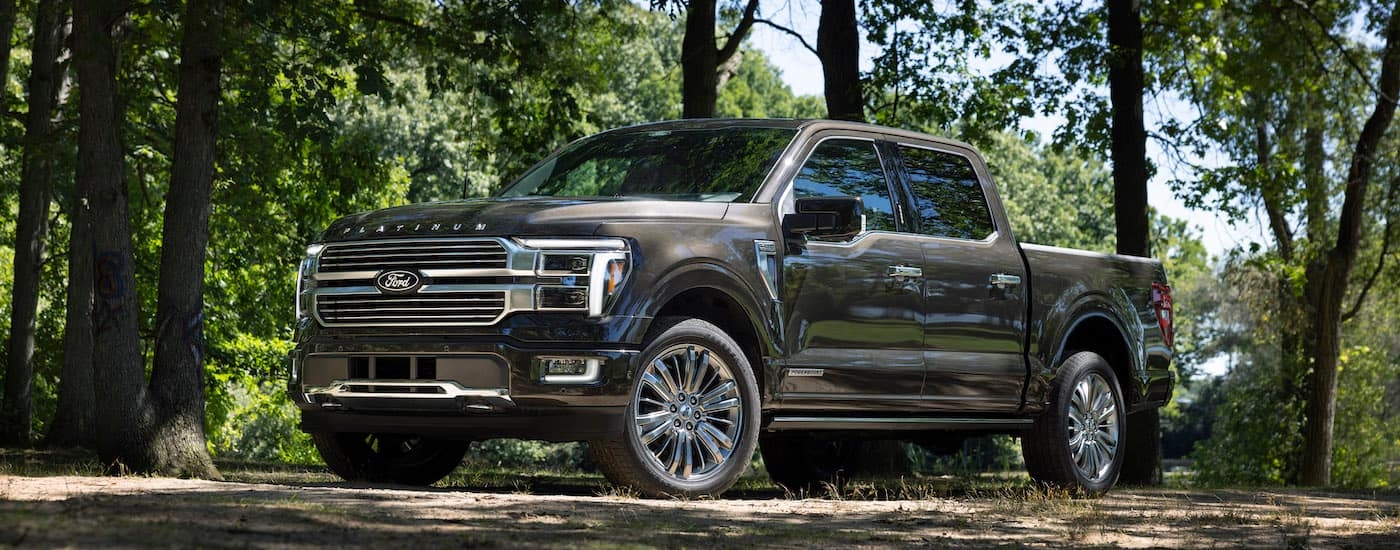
[(1093, 427), (687, 412)]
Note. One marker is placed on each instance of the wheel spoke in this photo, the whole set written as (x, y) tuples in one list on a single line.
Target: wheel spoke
[(717, 436), (710, 445), (651, 435), (711, 400), (669, 377), (659, 386)]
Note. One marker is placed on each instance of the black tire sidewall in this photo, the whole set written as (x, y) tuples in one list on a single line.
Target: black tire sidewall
[(1048, 444)]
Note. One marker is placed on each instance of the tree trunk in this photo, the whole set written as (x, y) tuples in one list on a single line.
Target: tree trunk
[(702, 61), (124, 413), (75, 422), (1129, 137), (1322, 402), (838, 47), (177, 379), (36, 184), (699, 58)]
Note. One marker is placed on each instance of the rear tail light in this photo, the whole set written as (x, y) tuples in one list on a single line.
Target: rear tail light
[(1162, 306)]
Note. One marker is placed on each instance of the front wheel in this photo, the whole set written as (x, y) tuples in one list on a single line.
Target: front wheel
[(692, 422), (389, 458), (1076, 443)]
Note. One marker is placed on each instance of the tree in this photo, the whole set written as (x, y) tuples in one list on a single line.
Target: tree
[(838, 47), (1124, 59), (704, 64), (36, 185), (1276, 117)]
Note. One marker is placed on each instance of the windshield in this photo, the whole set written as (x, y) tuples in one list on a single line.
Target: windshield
[(705, 164)]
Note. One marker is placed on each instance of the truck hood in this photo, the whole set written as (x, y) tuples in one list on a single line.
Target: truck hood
[(514, 217)]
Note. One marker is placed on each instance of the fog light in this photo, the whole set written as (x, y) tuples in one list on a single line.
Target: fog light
[(568, 370)]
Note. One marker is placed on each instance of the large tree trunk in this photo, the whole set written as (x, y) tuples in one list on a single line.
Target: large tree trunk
[(702, 61), (177, 380), (838, 47), (124, 413), (1125, 83), (1332, 286), (699, 58), (75, 422), (36, 184)]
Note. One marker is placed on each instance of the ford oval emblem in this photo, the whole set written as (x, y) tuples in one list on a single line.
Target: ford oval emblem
[(398, 281)]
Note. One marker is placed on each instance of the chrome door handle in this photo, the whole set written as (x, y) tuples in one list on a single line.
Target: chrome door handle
[(1003, 280), (902, 271)]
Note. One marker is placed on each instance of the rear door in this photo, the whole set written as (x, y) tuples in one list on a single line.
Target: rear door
[(852, 308), (974, 282)]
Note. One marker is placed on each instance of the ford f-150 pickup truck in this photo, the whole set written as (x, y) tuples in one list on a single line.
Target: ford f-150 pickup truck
[(681, 294)]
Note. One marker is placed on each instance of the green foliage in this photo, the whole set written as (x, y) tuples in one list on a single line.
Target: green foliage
[(1051, 197), (532, 456)]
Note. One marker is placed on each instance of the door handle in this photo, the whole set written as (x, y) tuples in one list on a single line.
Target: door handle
[(1004, 280), (902, 271)]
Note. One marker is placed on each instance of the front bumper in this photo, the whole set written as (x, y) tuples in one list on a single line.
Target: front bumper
[(458, 387)]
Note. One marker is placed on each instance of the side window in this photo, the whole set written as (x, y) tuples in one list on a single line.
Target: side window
[(948, 196), (841, 167)]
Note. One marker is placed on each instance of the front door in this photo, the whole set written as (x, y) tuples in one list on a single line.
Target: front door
[(853, 309)]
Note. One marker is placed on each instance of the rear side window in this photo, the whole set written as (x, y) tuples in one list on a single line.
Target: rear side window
[(947, 194), (842, 167)]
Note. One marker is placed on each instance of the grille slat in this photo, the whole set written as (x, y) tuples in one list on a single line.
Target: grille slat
[(411, 309), (483, 254)]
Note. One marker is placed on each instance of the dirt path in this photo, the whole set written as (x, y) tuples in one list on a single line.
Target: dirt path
[(133, 511)]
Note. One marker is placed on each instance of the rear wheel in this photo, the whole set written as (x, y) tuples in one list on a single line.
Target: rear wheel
[(807, 465), (389, 458), (1076, 443), (692, 422)]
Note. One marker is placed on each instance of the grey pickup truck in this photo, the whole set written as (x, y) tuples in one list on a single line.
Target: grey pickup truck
[(681, 294)]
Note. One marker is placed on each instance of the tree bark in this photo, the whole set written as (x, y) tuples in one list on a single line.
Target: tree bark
[(1125, 82), (177, 379), (838, 47), (75, 422), (36, 185), (1322, 403), (701, 59), (124, 412)]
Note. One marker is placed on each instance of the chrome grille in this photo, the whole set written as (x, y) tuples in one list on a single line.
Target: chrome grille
[(435, 308), (420, 255)]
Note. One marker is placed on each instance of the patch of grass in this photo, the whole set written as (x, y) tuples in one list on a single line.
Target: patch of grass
[(49, 462)]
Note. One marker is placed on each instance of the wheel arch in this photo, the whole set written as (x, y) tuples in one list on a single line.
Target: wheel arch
[(716, 295), (1100, 330)]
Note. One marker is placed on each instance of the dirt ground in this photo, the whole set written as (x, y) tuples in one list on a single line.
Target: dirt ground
[(287, 511)]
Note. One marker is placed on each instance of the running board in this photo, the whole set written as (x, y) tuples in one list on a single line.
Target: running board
[(828, 423)]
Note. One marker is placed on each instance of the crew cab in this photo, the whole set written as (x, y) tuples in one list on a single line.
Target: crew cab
[(680, 294)]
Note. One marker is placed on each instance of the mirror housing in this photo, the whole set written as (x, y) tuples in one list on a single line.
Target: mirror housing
[(838, 218)]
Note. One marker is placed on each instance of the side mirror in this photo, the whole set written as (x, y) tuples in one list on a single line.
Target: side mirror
[(839, 218)]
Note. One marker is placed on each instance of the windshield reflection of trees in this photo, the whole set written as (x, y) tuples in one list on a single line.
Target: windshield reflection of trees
[(706, 164)]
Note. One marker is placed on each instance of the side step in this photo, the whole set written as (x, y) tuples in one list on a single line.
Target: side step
[(843, 423)]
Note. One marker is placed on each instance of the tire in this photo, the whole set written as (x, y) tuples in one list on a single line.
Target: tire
[(807, 466), (389, 458), (1059, 450), (691, 423), (1142, 461)]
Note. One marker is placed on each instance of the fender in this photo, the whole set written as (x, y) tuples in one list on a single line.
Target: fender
[(1118, 312), (701, 274)]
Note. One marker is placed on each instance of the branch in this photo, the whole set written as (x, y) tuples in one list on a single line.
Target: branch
[(788, 32), (732, 44), (1340, 47), (1385, 251)]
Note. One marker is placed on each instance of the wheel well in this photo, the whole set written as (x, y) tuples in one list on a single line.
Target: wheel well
[(722, 311), (1099, 335)]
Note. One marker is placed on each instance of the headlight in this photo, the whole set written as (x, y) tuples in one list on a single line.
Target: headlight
[(590, 272), (304, 282)]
